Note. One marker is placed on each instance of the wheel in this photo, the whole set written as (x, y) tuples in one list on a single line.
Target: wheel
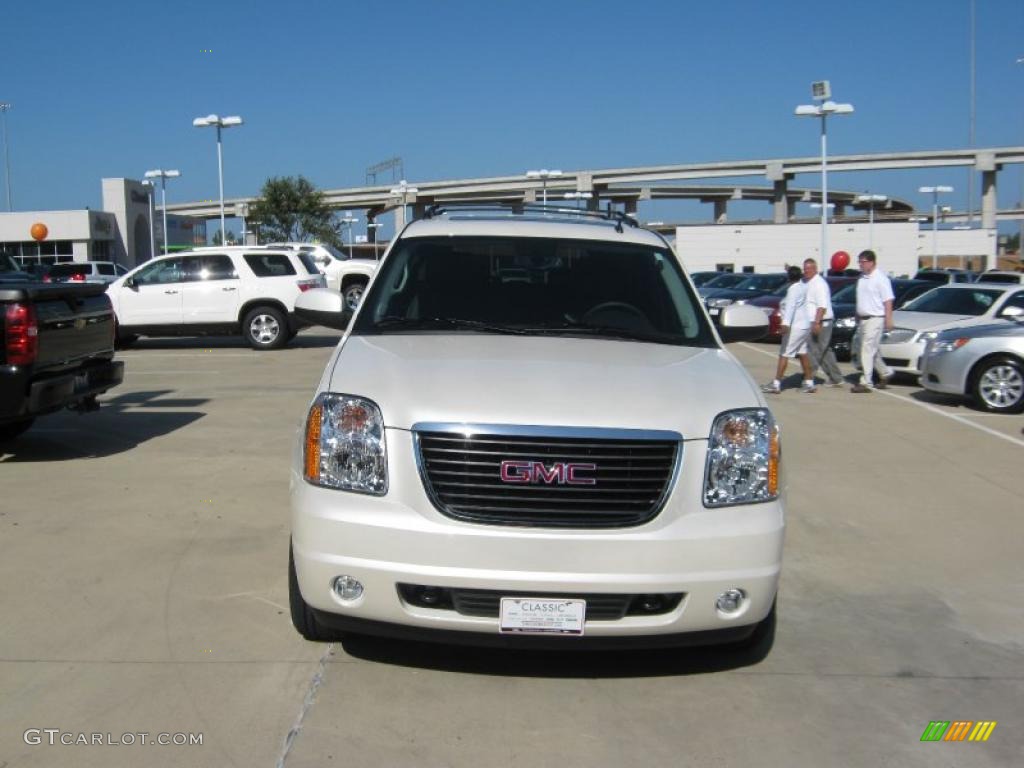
[(15, 428), (122, 339), (353, 294), (999, 385), (265, 328), (303, 619)]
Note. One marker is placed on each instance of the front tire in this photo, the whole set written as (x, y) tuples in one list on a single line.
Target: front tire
[(999, 385), (265, 328), (303, 618)]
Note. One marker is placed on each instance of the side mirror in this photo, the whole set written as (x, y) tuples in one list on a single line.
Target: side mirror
[(129, 282), (741, 322), (321, 306)]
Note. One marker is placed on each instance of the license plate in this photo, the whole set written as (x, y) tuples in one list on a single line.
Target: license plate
[(542, 616), (714, 311)]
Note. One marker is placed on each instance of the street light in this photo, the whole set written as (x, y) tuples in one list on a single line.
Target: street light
[(164, 176), (219, 122), (871, 200), (543, 174), (349, 221), (150, 193), (375, 226), (935, 192), (5, 107), (821, 91)]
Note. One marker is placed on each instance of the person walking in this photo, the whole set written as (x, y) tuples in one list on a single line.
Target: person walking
[(874, 315), (796, 331), (818, 306)]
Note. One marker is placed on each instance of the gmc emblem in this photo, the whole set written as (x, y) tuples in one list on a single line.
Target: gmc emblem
[(533, 472)]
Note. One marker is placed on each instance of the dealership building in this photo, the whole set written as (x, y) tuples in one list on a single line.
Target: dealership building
[(120, 232)]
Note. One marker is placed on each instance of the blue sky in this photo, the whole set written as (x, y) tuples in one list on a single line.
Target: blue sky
[(462, 89)]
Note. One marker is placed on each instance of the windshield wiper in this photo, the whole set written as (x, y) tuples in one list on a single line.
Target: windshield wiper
[(604, 330), (421, 323)]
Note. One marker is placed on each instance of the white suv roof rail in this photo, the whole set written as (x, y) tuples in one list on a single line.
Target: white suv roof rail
[(532, 212)]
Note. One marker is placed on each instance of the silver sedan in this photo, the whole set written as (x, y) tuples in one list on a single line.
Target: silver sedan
[(984, 362)]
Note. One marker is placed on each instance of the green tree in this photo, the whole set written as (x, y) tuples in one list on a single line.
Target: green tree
[(291, 209), (232, 239)]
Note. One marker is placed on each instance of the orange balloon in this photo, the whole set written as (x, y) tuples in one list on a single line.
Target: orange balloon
[(39, 231)]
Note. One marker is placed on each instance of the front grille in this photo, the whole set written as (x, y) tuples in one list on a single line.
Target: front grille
[(486, 602), (899, 362), (632, 476)]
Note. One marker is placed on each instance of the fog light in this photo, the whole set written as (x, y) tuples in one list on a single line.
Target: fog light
[(730, 601), (347, 588), (651, 603)]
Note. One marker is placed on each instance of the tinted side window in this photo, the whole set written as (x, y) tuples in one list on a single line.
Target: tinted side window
[(308, 263), (105, 269), (269, 264), (160, 272), (217, 267)]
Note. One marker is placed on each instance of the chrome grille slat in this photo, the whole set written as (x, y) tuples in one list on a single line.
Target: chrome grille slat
[(462, 476)]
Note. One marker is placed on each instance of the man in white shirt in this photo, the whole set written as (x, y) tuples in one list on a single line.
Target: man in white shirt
[(818, 307), (874, 315), (796, 332)]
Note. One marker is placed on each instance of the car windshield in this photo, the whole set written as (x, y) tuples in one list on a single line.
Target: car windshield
[(933, 276), (845, 295), (955, 301), (996, 278), (699, 278), (7, 264), (535, 287), (727, 280), (761, 283)]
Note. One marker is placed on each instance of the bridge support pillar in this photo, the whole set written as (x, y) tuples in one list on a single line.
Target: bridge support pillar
[(399, 218), (988, 199), (720, 211), (782, 206)]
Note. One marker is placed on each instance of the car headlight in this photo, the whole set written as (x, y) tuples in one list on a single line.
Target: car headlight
[(344, 445), (719, 302), (847, 323), (743, 458), (941, 347), (927, 336)]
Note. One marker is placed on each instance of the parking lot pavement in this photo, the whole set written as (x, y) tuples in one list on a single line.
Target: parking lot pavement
[(142, 563)]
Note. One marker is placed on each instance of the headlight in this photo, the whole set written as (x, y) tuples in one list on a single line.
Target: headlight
[(344, 445), (719, 302), (941, 347), (743, 458), (927, 336), (847, 323)]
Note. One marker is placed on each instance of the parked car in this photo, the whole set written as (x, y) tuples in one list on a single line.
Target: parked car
[(56, 352), (945, 307), (464, 476), (844, 305), (10, 272), (998, 276), (723, 280), (329, 259), (699, 278), (985, 362), (249, 290), (36, 270), (746, 290), (945, 276), (771, 303), (84, 272)]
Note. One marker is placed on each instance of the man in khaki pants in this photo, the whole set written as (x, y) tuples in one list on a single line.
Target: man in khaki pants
[(874, 315)]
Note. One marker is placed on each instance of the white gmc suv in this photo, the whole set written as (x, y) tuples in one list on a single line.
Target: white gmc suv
[(531, 435), (249, 290)]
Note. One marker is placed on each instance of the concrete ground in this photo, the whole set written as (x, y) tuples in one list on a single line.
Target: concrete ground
[(142, 568)]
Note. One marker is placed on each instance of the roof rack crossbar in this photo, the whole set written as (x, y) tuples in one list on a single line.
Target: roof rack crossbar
[(514, 208)]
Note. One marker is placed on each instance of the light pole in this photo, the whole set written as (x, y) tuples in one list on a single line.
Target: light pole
[(375, 226), (349, 221), (871, 200), (242, 211), (578, 196), (219, 122), (151, 193), (403, 190), (5, 107), (543, 174), (822, 91), (164, 176), (935, 192)]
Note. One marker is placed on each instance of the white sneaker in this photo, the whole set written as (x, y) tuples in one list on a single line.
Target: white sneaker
[(771, 389), (809, 388)]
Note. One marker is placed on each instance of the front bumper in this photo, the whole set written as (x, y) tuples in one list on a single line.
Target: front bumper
[(401, 538), (945, 373), (903, 357)]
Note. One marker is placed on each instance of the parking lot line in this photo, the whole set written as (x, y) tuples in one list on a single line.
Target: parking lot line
[(926, 406)]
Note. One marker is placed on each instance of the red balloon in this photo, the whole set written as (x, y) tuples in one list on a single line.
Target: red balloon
[(840, 260)]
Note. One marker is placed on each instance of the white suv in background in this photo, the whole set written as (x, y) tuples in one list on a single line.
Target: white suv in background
[(532, 434), (347, 276), (249, 290)]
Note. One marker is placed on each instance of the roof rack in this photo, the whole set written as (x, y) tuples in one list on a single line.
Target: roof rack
[(534, 211)]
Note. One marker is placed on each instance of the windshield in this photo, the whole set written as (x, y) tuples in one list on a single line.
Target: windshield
[(7, 264), (728, 280), (955, 301), (535, 287), (995, 278), (761, 283)]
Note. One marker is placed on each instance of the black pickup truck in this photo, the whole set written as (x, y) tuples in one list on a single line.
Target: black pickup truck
[(56, 349)]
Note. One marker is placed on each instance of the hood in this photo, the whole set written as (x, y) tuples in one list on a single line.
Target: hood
[(1008, 328), (489, 379), (930, 321)]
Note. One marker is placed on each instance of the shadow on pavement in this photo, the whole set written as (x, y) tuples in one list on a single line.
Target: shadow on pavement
[(308, 339), (558, 664), (122, 423)]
